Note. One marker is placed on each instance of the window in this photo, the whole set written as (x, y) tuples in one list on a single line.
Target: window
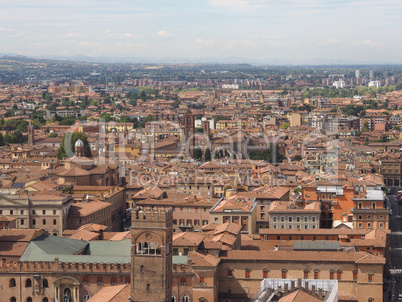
[(11, 212), (22, 212), (315, 274), (283, 274), (265, 273), (274, 219), (114, 281), (99, 281), (127, 280), (360, 225), (298, 226), (28, 283), (247, 273), (305, 219), (185, 298), (44, 212), (44, 221), (331, 275), (298, 219), (45, 283), (45, 300), (189, 209), (355, 275), (290, 218), (13, 299), (339, 275), (33, 212), (86, 280), (183, 281), (370, 299), (381, 225), (33, 221), (282, 219), (202, 281), (313, 219), (22, 221), (289, 226), (305, 274), (370, 278), (369, 225), (29, 299), (54, 212), (12, 283), (148, 287), (230, 273)]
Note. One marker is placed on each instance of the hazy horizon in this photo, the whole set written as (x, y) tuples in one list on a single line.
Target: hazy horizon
[(241, 31)]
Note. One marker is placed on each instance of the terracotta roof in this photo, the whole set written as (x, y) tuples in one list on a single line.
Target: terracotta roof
[(115, 293), (201, 259), (87, 208), (305, 256), (299, 296), (188, 239)]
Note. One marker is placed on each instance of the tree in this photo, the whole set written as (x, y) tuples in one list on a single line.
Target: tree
[(67, 147), (2, 143), (207, 155), (197, 154), (148, 118), (365, 127), (297, 158)]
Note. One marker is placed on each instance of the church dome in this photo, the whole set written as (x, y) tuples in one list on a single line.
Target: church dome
[(79, 143)]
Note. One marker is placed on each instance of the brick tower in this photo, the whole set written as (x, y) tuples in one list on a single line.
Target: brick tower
[(189, 124), (31, 133), (151, 254)]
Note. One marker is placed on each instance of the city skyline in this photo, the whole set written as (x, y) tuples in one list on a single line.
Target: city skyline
[(316, 32)]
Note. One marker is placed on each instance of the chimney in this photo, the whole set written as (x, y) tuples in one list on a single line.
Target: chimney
[(286, 288)]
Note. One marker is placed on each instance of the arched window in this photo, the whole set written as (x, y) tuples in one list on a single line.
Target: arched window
[(12, 282), (45, 283), (29, 299), (45, 300), (185, 298), (183, 281), (114, 281), (85, 280), (28, 283), (100, 281), (86, 297), (173, 299), (148, 287), (127, 280), (13, 299)]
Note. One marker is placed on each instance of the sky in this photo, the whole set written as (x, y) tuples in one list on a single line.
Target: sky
[(265, 31)]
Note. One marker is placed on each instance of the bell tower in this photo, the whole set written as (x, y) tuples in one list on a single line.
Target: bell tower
[(189, 124), (151, 254), (31, 133)]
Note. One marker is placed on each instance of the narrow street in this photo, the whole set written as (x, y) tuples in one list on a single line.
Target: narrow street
[(393, 286)]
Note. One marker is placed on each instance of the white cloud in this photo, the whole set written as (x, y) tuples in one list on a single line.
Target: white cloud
[(329, 41), (2, 29), (205, 42), (164, 33), (238, 4), (74, 35)]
